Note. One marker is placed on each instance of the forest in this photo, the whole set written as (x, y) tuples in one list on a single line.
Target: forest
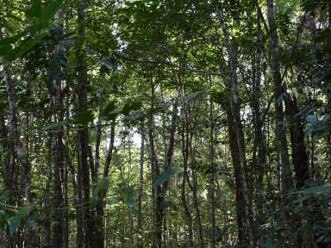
[(165, 123)]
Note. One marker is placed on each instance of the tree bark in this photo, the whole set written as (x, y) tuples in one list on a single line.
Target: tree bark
[(279, 90), (57, 155), (237, 144), (259, 149), (141, 188), (83, 134), (159, 191), (185, 154), (18, 151), (211, 178), (299, 154)]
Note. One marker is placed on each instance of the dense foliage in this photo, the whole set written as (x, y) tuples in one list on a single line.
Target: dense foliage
[(178, 123)]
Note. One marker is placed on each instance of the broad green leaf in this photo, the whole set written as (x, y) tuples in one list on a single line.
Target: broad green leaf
[(280, 99), (129, 196), (14, 223), (54, 126), (131, 106), (100, 188), (37, 32), (83, 118), (24, 212), (110, 112), (27, 45), (220, 96), (316, 190), (164, 176), (311, 119), (218, 233), (50, 10), (7, 44), (35, 10), (44, 14), (317, 127), (192, 96)]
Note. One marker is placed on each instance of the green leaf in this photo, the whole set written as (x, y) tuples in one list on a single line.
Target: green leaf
[(25, 211), (220, 96), (35, 10), (12, 48), (7, 44), (14, 223), (129, 196), (100, 188), (218, 233), (311, 119), (110, 112), (27, 45), (280, 99), (316, 190), (164, 176), (83, 117), (49, 11), (316, 127), (131, 106), (43, 14), (54, 126), (192, 96)]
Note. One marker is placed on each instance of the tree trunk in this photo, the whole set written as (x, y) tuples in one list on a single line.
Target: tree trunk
[(57, 154), (185, 154), (159, 191), (156, 191), (83, 134), (299, 154), (9, 172), (279, 90), (211, 178), (18, 151), (197, 208), (237, 144), (141, 189), (259, 149)]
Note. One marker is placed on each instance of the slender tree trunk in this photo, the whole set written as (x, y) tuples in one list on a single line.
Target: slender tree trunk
[(110, 151), (259, 150), (84, 173), (156, 191), (83, 134), (328, 137), (98, 213), (99, 232), (299, 154), (185, 154), (197, 208), (18, 151), (58, 201), (159, 191), (279, 89), (237, 144), (57, 155), (9, 165), (141, 189), (211, 179), (8, 172)]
